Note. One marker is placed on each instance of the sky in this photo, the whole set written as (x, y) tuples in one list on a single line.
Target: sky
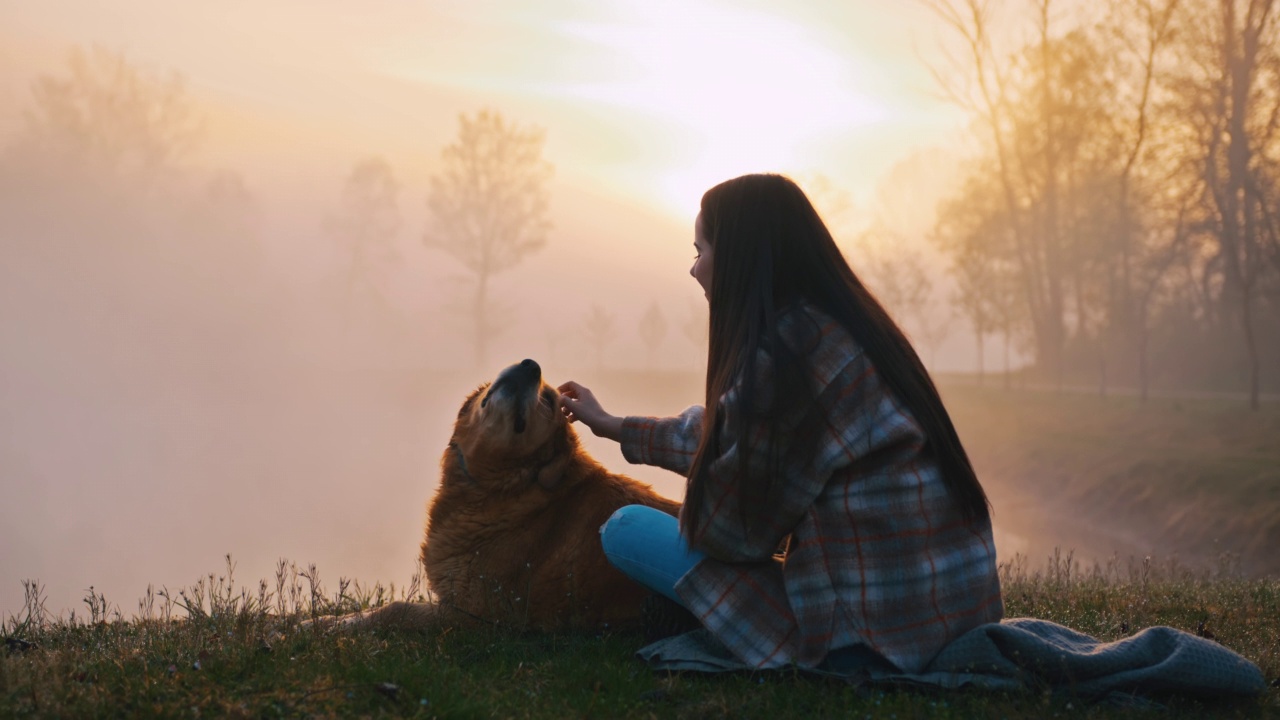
[(131, 478), (645, 105), (122, 467), (655, 101)]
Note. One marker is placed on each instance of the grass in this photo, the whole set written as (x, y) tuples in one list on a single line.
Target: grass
[(1185, 473), (1193, 478), (214, 650)]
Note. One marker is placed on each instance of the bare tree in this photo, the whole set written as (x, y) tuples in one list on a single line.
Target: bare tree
[(653, 328), (1136, 36), (365, 227), (972, 297), (1136, 157), (599, 331), (225, 219), (111, 119), (92, 184), (834, 203), (972, 230), (100, 139), (1007, 314), (696, 329), (1149, 280), (1246, 42), (979, 80), (897, 277), (490, 204), (1049, 228)]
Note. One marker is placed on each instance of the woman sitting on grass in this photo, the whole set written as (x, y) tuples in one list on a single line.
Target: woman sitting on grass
[(831, 518)]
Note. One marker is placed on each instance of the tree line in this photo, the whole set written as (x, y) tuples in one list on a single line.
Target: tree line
[(1115, 219), (1119, 213), (101, 199)]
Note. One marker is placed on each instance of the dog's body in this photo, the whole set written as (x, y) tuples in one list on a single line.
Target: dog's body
[(513, 531)]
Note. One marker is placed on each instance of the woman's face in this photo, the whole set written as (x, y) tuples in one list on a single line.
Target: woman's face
[(701, 270)]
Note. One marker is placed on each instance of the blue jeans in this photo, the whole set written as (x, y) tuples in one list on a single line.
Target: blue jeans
[(646, 545)]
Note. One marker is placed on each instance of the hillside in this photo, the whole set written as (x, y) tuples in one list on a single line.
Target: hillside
[(1195, 478)]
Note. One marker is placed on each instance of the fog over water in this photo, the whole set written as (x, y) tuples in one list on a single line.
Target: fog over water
[(186, 367), (238, 312), (151, 424)]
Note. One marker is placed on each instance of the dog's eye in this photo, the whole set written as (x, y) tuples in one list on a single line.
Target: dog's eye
[(484, 400)]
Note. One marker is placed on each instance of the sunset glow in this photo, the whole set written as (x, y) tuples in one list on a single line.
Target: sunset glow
[(253, 256), (656, 101), (227, 355), (742, 90)]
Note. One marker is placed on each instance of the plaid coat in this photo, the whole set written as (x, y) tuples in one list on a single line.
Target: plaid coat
[(878, 553)]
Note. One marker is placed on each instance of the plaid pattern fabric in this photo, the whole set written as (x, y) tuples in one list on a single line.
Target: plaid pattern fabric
[(878, 553)]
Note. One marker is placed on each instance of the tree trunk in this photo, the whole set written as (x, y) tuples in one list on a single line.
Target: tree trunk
[(1054, 270), (1251, 345), (481, 319), (1239, 234), (1143, 378), (981, 363), (353, 276), (1008, 380)]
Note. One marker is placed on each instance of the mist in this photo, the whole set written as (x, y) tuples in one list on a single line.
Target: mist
[(235, 317), (195, 365)]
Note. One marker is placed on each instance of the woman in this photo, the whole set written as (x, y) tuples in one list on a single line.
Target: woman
[(831, 517)]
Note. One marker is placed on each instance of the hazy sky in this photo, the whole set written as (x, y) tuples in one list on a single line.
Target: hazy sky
[(646, 104), (655, 100), (131, 467)]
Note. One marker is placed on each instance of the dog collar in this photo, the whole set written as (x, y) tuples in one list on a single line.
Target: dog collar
[(462, 463)]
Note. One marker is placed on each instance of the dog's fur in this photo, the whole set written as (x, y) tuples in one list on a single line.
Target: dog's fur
[(513, 531)]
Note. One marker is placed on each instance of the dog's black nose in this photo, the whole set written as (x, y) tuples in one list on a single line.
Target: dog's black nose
[(528, 364)]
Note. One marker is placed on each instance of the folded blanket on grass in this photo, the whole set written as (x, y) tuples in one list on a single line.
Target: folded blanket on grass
[(1023, 654)]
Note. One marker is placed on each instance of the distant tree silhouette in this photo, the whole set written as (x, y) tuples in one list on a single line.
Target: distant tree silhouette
[(653, 328), (365, 227), (1142, 247), (490, 205), (1131, 153), (834, 203), (898, 278), (224, 220), (110, 119), (696, 329), (1032, 200), (969, 230), (100, 198), (599, 331), (970, 298), (92, 184), (1237, 98)]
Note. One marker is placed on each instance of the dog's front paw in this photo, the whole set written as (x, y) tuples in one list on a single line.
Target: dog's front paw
[(328, 623)]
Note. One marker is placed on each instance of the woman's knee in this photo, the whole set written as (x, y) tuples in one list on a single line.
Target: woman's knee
[(630, 523)]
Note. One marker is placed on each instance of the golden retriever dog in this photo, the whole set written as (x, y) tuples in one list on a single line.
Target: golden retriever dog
[(513, 531)]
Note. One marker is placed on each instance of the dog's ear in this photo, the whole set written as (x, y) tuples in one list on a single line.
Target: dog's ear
[(471, 400)]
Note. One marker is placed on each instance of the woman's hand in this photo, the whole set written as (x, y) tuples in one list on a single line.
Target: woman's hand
[(578, 403)]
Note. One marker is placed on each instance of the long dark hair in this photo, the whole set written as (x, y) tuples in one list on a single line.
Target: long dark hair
[(770, 249)]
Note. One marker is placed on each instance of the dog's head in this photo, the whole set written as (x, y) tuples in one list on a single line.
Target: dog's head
[(512, 425)]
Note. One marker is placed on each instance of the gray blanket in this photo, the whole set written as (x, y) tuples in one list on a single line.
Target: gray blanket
[(1021, 654)]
